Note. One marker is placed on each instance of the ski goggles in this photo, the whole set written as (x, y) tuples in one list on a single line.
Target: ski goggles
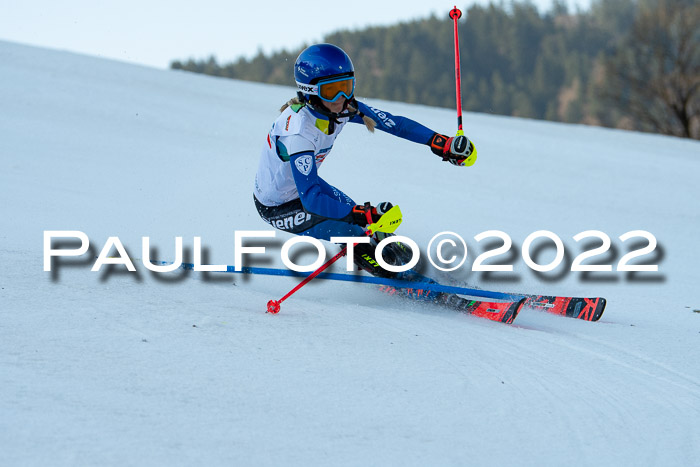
[(331, 89)]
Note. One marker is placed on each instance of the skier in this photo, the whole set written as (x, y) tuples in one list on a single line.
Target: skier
[(291, 196)]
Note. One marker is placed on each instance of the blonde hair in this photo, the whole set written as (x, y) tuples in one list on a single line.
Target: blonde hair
[(369, 123)]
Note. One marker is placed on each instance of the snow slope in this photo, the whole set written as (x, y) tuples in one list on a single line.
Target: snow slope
[(118, 368)]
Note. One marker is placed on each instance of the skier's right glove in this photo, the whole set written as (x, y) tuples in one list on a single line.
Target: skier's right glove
[(365, 214), (457, 150)]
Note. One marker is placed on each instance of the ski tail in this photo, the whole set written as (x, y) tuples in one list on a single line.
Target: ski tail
[(588, 309)]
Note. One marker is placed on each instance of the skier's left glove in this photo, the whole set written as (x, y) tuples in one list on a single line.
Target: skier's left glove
[(457, 150)]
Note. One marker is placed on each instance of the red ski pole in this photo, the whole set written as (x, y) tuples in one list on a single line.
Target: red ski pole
[(455, 14), (387, 223), (273, 306)]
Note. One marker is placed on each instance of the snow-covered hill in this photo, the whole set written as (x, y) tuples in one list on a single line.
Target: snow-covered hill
[(118, 368)]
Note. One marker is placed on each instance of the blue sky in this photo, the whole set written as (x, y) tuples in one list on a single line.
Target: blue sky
[(157, 31)]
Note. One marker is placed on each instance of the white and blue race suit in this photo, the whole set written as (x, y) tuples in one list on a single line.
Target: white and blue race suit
[(290, 195)]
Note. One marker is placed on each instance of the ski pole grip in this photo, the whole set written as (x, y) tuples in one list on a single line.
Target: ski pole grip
[(368, 213)]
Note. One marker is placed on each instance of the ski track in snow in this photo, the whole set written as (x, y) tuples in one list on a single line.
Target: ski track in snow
[(116, 368)]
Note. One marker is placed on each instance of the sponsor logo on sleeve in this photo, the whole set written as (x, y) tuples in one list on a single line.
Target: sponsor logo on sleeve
[(388, 122)]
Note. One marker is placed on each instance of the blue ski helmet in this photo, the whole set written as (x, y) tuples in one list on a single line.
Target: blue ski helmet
[(324, 64)]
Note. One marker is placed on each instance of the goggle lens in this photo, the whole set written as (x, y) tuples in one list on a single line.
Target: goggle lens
[(332, 90)]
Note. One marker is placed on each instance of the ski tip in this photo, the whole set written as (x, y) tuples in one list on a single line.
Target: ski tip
[(599, 309), (587, 309)]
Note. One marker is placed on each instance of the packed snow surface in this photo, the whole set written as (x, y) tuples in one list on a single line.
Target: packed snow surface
[(140, 368)]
